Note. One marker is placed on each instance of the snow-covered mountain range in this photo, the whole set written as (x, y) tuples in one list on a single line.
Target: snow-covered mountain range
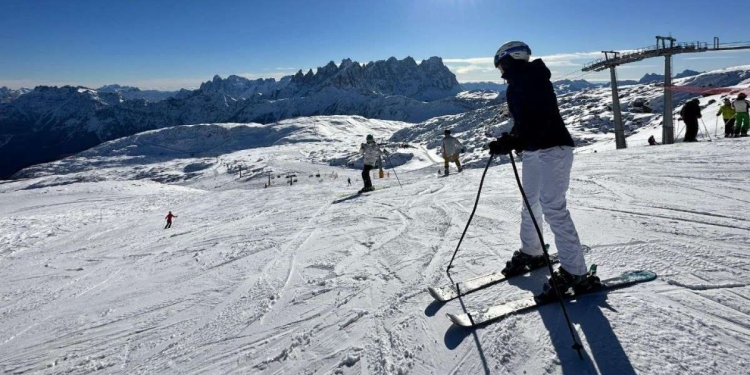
[(54, 122), (131, 93), (427, 81), (8, 95)]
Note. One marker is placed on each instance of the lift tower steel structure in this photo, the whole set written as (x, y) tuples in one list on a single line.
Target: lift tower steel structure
[(667, 129), (619, 130)]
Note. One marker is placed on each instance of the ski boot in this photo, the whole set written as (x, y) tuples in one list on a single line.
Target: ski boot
[(366, 189), (521, 263), (569, 284)]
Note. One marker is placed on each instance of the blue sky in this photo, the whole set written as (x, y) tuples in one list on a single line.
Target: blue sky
[(173, 44)]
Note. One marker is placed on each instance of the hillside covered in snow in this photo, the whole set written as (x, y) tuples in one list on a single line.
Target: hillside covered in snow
[(186, 154), (310, 278)]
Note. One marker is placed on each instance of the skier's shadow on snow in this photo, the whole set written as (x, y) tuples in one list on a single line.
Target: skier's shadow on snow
[(456, 335), (586, 312)]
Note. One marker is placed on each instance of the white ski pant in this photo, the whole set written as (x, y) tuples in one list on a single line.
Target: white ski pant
[(545, 179)]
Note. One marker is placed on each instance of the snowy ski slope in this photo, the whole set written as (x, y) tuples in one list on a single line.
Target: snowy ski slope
[(307, 280)]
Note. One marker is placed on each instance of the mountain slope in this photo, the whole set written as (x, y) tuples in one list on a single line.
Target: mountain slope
[(191, 152), (300, 279)]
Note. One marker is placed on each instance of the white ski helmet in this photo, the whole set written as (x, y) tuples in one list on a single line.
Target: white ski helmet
[(517, 50)]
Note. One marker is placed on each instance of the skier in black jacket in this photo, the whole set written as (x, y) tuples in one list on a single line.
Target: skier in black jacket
[(539, 131), (690, 113)]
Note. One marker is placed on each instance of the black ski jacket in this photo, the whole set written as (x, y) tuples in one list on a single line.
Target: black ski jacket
[(691, 111), (533, 104)]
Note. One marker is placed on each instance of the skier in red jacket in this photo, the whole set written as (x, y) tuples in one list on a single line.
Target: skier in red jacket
[(169, 220)]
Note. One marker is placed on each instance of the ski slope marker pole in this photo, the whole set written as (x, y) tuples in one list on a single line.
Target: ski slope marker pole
[(578, 347)]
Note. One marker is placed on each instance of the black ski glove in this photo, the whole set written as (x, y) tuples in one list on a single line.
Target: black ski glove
[(505, 144)]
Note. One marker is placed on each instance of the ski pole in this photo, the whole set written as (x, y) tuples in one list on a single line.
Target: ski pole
[(680, 132), (706, 129), (388, 156), (576, 345), (476, 203)]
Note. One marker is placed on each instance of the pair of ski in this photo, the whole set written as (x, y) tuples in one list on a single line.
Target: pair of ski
[(500, 311)]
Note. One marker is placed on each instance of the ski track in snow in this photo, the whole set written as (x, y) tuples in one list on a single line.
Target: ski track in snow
[(283, 281)]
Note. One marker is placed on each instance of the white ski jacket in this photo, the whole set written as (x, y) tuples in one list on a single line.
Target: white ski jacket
[(371, 153), (741, 106), (450, 145)]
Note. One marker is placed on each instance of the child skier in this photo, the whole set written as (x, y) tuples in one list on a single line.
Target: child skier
[(372, 158), (450, 147), (169, 220), (727, 114), (539, 131)]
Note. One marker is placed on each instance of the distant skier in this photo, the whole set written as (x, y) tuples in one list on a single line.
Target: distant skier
[(349, 181), (727, 114), (450, 147), (371, 159), (741, 107), (690, 113), (652, 141), (169, 220), (539, 131)]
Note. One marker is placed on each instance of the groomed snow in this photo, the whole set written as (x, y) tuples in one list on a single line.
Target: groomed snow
[(305, 279)]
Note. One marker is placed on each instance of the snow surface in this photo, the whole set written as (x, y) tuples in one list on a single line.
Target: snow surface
[(309, 279)]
